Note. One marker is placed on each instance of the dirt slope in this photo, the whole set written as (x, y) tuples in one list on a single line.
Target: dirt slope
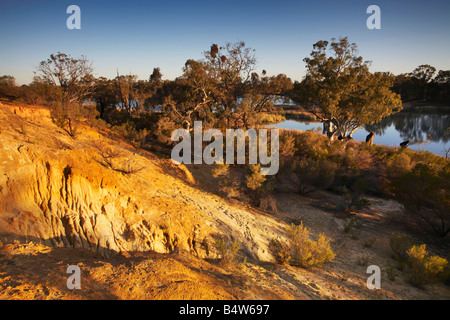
[(143, 228)]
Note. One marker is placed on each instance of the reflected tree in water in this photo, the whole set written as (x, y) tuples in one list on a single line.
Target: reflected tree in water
[(415, 127)]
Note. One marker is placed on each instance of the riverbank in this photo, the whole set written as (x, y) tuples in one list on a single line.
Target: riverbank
[(425, 108), (300, 113)]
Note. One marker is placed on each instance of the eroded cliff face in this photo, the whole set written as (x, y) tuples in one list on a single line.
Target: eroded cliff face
[(98, 192), (58, 190)]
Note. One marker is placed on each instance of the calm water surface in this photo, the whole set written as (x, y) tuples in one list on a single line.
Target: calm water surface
[(424, 131)]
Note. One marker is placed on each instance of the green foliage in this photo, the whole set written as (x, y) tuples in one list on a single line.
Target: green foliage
[(391, 273), (300, 250), (415, 261), (425, 194), (308, 174), (400, 244), (128, 131), (305, 252), (259, 189), (8, 88), (362, 260), (228, 252), (423, 268), (423, 84), (66, 116), (352, 226), (280, 251), (340, 87), (254, 180)]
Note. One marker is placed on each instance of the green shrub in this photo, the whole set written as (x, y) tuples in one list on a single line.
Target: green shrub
[(352, 196), (391, 273), (259, 188), (308, 174), (128, 131), (228, 252), (362, 260), (254, 180), (423, 268), (400, 244), (424, 193), (306, 252), (280, 251), (352, 226)]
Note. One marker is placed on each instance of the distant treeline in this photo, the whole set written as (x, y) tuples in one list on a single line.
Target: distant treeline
[(224, 90), (424, 85)]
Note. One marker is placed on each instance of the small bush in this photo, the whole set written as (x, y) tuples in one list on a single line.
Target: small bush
[(259, 188), (352, 226), (306, 252), (400, 244), (66, 115), (369, 242), (228, 252), (268, 203), (362, 260), (128, 131), (220, 170), (423, 268), (254, 180), (280, 251), (306, 175), (425, 196), (391, 273)]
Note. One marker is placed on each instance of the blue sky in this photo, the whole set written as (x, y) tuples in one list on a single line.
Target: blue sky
[(136, 36)]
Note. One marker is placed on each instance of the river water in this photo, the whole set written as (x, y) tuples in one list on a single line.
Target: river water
[(425, 131)]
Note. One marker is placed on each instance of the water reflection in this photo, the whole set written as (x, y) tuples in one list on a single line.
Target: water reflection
[(424, 131), (415, 127)]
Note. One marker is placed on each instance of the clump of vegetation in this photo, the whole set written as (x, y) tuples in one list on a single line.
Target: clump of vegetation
[(352, 226), (425, 194), (280, 251), (368, 243), (416, 262), (362, 260), (228, 252), (259, 188), (128, 131), (306, 175), (423, 268), (306, 252), (400, 244), (391, 273), (300, 250), (352, 197)]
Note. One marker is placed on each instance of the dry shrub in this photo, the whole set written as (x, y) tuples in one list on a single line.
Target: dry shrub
[(280, 251), (423, 268), (400, 244), (268, 203), (228, 252), (424, 193), (300, 250), (415, 261), (307, 174)]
